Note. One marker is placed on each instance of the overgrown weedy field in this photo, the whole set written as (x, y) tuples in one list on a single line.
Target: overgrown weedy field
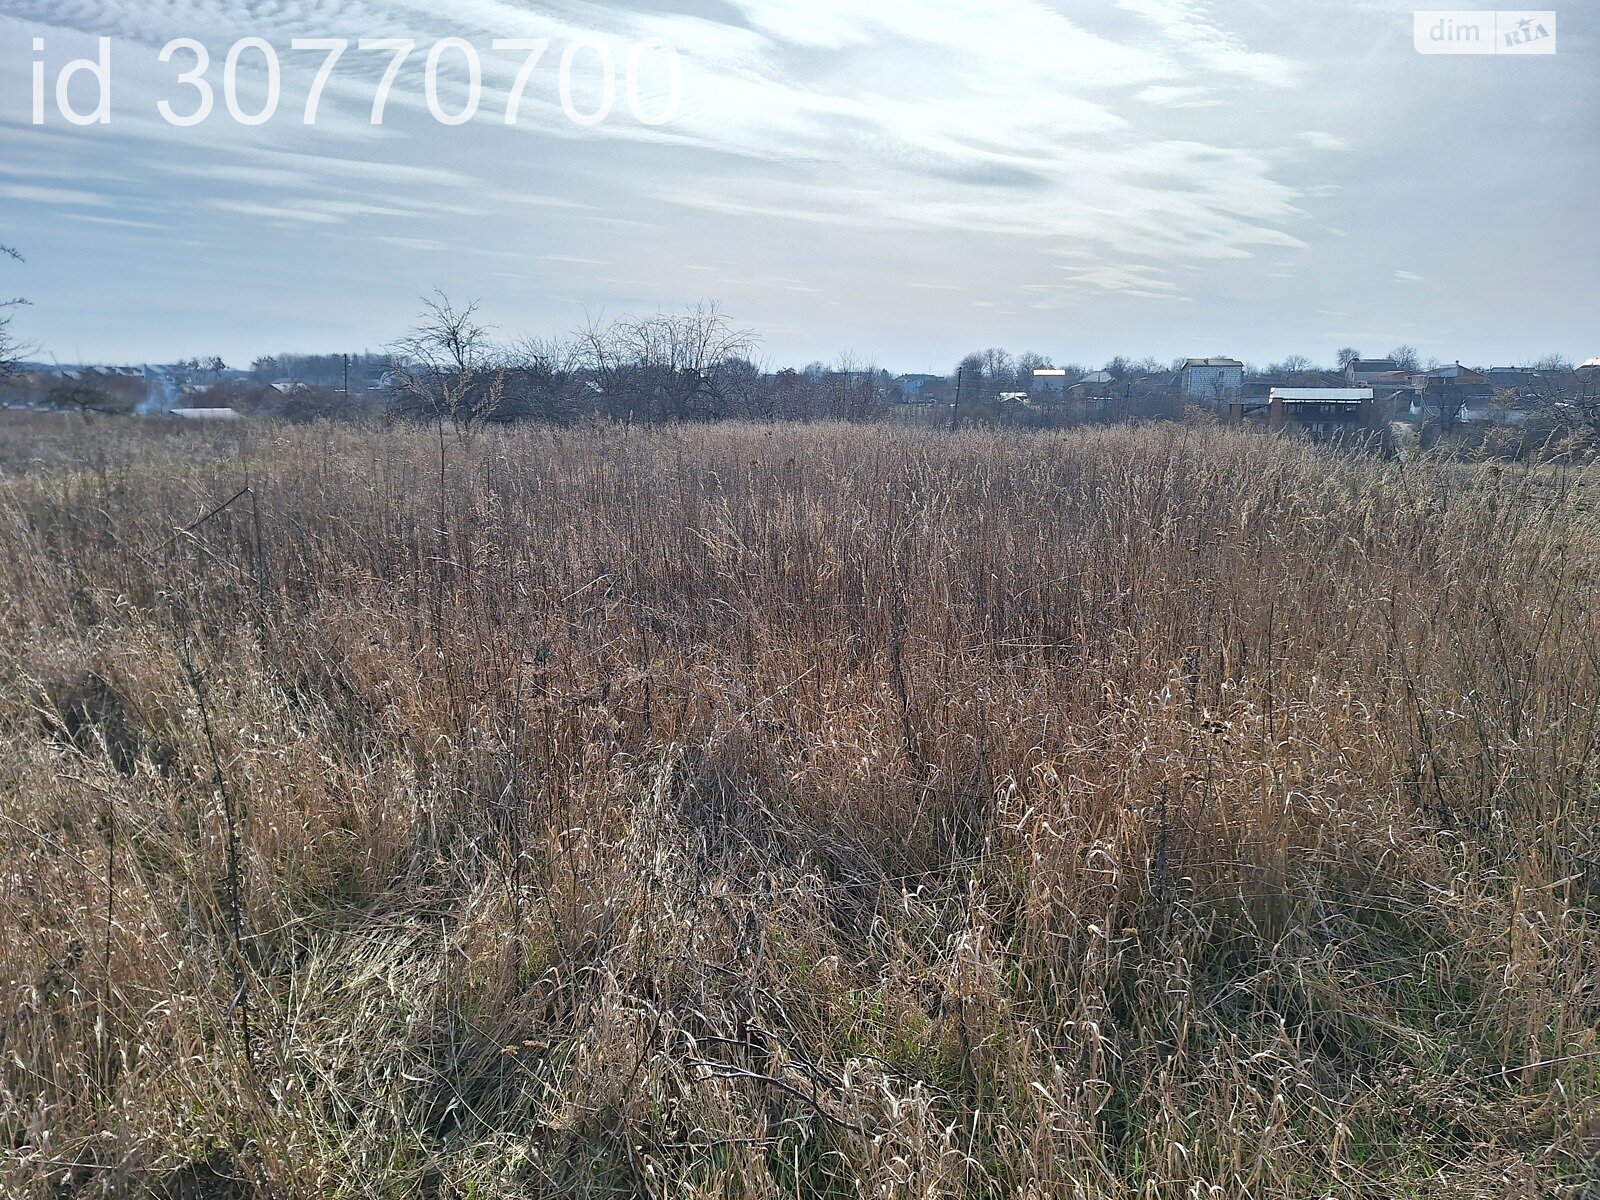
[(792, 812)]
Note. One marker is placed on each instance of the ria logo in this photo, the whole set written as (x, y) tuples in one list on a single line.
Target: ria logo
[(1485, 31), (1529, 32)]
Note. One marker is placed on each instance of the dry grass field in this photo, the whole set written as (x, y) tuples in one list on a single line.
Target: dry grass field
[(792, 812)]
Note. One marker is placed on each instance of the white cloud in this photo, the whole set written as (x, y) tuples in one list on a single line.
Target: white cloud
[(274, 212), (29, 193), (1196, 33), (1324, 141), (1169, 96)]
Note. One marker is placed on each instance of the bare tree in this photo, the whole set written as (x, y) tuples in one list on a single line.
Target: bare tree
[(1554, 364), (984, 374), (11, 349), (853, 390), (790, 396), (747, 390), (1570, 400), (1406, 358), (90, 399), (1000, 369), (544, 380), (1347, 356), (667, 367), (198, 371), (446, 368), (1295, 364)]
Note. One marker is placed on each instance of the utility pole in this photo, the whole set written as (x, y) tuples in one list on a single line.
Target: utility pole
[(347, 379), (955, 409)]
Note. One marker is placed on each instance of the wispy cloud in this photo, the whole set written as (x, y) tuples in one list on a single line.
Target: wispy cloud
[(1197, 35), (1013, 117), (33, 194), (1325, 141), (890, 164), (277, 213), (1171, 96)]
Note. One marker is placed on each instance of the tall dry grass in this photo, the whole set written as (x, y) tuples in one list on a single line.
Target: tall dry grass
[(767, 812)]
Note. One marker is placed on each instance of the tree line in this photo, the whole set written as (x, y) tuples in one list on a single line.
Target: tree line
[(693, 365)]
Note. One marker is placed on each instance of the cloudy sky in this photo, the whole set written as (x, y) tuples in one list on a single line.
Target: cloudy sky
[(904, 179)]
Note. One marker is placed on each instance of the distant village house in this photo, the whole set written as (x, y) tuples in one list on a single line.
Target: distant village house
[(1320, 412), (1050, 385), (1211, 380)]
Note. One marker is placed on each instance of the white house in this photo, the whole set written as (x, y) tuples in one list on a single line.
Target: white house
[(1049, 383), (1212, 379)]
